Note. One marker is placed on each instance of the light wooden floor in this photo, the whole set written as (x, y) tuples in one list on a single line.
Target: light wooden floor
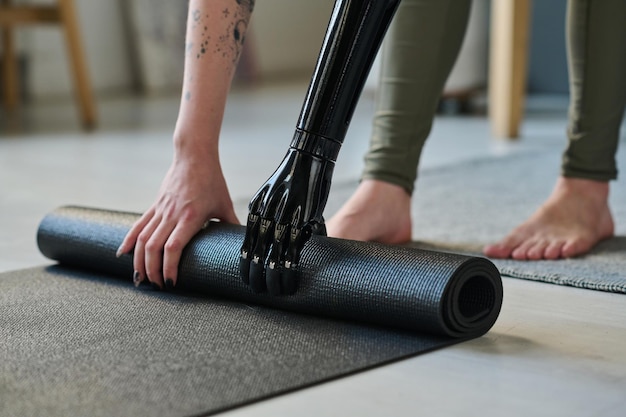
[(555, 351)]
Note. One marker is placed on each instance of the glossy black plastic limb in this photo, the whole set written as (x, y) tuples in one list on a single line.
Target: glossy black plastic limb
[(288, 208)]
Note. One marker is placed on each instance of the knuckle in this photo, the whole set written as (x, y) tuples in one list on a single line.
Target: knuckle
[(189, 214), (153, 246), (143, 238), (173, 245)]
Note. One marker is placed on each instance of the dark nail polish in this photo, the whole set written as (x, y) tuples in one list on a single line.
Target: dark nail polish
[(155, 286), (169, 284), (136, 279)]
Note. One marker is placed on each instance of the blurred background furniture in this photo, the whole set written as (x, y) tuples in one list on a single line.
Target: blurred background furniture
[(62, 13), (508, 63)]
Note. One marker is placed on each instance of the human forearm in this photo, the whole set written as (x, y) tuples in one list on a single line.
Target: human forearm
[(194, 189), (216, 31)]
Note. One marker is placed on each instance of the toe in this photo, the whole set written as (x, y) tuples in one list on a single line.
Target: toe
[(504, 248), (496, 251), (553, 250), (521, 252), (574, 248), (536, 251)]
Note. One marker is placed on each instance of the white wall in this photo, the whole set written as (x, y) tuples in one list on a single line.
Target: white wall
[(288, 35)]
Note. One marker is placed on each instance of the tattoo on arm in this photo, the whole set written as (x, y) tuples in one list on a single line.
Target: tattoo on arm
[(249, 4), (229, 44)]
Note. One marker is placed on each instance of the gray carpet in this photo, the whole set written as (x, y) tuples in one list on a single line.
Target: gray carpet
[(464, 207)]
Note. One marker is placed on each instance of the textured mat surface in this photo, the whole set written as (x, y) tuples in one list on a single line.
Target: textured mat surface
[(464, 207), (85, 342)]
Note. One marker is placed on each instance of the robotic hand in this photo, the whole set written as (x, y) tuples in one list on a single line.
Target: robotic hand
[(288, 208), (283, 215)]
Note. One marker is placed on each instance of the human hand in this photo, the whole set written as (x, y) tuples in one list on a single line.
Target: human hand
[(192, 192), (283, 215)]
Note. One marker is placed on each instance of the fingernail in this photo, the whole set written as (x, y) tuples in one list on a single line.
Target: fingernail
[(155, 286), (169, 284), (119, 252), (136, 279)]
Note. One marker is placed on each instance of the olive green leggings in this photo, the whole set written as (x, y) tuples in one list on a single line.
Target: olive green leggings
[(419, 52)]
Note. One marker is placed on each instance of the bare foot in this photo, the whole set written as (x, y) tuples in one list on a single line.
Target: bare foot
[(377, 212), (570, 222)]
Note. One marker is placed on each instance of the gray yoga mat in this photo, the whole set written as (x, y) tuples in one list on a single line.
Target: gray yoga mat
[(79, 339), (461, 208)]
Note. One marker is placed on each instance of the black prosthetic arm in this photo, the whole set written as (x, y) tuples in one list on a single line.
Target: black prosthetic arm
[(288, 208)]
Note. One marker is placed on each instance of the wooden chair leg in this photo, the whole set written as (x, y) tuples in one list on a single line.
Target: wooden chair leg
[(84, 92), (510, 21), (10, 78)]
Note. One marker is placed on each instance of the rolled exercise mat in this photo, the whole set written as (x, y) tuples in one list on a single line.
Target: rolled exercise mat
[(439, 293), (80, 339)]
